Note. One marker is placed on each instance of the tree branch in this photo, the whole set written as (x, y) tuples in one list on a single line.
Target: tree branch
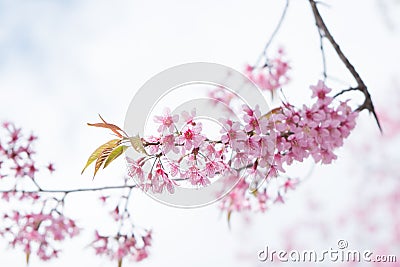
[(67, 191), (368, 105), (271, 38), (346, 90)]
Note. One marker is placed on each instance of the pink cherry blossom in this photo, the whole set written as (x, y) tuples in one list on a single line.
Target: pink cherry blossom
[(272, 76), (191, 136), (38, 232), (167, 121), (133, 246), (321, 90), (221, 95), (233, 134)]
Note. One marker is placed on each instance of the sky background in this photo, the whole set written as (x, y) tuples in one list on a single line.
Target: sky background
[(63, 62)]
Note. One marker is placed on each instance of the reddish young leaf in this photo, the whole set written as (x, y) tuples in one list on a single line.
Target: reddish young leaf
[(118, 131), (114, 126)]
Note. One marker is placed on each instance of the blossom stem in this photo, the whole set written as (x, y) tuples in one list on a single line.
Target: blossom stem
[(322, 28), (271, 38)]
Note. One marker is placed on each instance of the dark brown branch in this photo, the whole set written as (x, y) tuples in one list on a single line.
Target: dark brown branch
[(346, 90), (368, 105)]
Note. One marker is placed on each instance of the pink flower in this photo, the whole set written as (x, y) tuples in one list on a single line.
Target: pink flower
[(115, 214), (213, 167), (32, 138), (196, 177), (31, 170), (103, 199), (135, 168), (19, 170), (253, 120), (50, 167), (221, 95), (38, 232), (237, 199), (290, 184), (272, 76), (153, 144), (321, 90), (233, 134), (121, 246), (191, 137), (189, 117), (15, 134), (168, 144), (160, 181), (167, 121), (174, 168), (279, 198), (262, 198), (240, 159)]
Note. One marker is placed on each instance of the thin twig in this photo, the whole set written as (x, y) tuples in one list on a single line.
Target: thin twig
[(346, 90), (368, 105), (271, 38), (321, 46), (66, 191)]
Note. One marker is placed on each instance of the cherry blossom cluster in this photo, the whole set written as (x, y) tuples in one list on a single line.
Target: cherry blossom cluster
[(16, 152), (273, 75), (371, 214), (38, 232), (314, 131), (18, 168), (178, 154), (242, 199), (17, 165), (41, 230), (129, 242), (131, 245), (257, 148)]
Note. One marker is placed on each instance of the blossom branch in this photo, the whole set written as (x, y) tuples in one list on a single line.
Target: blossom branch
[(368, 104), (346, 90)]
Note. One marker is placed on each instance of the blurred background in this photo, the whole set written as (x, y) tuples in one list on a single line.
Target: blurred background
[(63, 62)]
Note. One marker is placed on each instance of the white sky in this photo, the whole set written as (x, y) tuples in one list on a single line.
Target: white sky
[(62, 62)]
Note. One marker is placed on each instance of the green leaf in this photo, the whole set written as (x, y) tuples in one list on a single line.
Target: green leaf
[(98, 152), (115, 154), (100, 160), (137, 144)]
